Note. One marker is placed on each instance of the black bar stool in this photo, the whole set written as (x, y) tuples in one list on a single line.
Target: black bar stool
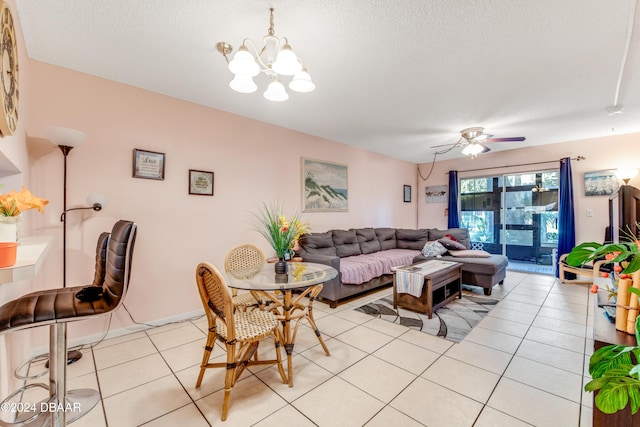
[(56, 308)]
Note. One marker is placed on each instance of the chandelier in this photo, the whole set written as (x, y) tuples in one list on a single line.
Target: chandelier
[(275, 58)]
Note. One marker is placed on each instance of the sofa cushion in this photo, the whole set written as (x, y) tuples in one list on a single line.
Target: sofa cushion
[(460, 234), (358, 269), (452, 245), (395, 258), (368, 240), (386, 237), (346, 243), (433, 249), (411, 239), (485, 266), (318, 243), (470, 253)]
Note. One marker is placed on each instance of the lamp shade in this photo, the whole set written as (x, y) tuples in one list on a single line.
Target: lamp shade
[(64, 136), (626, 174), (243, 84), (302, 82), (286, 62), (275, 92), (243, 63)]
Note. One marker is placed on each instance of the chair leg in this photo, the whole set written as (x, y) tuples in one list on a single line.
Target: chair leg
[(229, 379), (58, 371), (208, 348), (69, 405)]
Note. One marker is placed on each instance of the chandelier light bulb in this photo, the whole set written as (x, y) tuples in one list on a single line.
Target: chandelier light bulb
[(274, 58), (286, 62), (243, 84), (275, 92), (302, 82), (243, 63)]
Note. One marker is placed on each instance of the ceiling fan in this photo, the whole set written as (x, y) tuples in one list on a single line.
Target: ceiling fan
[(473, 140)]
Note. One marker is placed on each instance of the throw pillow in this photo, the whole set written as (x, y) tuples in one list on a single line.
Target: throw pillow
[(451, 245), (433, 249), (470, 253)]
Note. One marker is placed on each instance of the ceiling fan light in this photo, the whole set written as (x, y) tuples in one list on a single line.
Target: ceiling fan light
[(472, 149), (302, 82), (275, 92), (243, 84), (286, 62), (243, 63)]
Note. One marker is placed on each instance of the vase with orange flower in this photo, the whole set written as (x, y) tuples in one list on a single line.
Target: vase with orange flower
[(12, 204)]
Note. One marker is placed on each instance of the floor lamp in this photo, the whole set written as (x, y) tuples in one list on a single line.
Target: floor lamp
[(66, 140)]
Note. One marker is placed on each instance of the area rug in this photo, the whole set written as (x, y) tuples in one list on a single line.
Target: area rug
[(451, 322)]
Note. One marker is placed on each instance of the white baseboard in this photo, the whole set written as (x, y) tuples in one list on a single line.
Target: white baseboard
[(94, 338)]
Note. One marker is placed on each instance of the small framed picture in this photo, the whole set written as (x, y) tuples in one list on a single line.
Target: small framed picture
[(407, 193), (148, 164), (200, 182)]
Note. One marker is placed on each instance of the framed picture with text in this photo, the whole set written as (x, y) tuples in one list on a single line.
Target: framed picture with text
[(200, 182), (148, 164)]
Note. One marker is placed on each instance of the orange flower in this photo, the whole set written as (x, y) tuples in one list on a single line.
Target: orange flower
[(14, 203)]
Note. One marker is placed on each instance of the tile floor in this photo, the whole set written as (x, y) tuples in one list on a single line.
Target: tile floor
[(523, 365)]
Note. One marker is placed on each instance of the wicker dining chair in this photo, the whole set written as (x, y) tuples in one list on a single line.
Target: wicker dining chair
[(240, 259), (239, 331)]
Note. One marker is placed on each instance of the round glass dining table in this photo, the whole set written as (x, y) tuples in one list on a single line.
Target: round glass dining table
[(264, 283)]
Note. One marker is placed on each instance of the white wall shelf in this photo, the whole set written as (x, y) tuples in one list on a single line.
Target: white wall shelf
[(29, 259)]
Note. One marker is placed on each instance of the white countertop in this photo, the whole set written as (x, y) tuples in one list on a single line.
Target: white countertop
[(29, 259)]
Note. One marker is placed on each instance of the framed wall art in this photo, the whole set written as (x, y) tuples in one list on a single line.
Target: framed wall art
[(435, 193), (324, 186), (406, 193), (148, 164), (601, 183), (200, 182)]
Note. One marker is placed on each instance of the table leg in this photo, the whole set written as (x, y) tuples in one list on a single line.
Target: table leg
[(286, 332)]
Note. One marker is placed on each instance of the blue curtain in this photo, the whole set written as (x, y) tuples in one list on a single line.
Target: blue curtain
[(454, 216), (566, 218)]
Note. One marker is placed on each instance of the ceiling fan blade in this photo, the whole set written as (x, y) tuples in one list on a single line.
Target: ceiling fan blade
[(485, 149), (515, 138)]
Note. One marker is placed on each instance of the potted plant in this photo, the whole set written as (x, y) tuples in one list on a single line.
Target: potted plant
[(625, 253), (614, 369), (280, 232), (615, 373)]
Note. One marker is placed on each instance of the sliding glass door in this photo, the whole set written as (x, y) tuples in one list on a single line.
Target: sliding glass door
[(515, 215)]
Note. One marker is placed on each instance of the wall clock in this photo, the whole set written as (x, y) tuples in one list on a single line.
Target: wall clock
[(8, 72)]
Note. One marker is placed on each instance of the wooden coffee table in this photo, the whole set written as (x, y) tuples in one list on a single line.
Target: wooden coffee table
[(442, 282)]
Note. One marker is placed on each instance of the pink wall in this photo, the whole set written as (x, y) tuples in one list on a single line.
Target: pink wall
[(253, 162), (601, 153)]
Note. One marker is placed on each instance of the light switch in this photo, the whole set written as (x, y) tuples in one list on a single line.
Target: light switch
[(589, 212)]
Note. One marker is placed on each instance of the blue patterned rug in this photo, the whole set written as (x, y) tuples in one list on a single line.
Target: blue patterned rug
[(452, 321)]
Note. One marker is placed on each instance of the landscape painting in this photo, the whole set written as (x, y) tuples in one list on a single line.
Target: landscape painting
[(324, 186), (600, 183)]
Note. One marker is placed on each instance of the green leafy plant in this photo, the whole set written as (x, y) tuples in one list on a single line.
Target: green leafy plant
[(626, 253), (615, 370), (281, 233)]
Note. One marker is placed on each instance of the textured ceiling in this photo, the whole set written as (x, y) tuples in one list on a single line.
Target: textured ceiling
[(394, 77)]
